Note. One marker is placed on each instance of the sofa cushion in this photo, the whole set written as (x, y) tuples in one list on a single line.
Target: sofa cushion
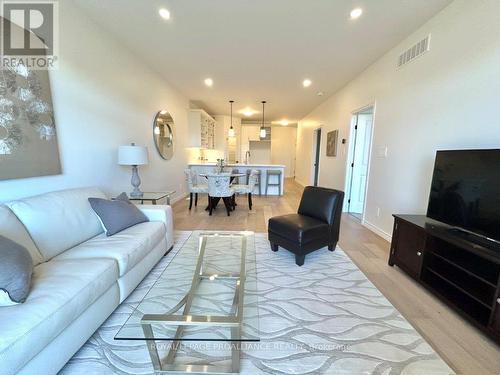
[(13, 229), (298, 228), (127, 248), (59, 220), (61, 291), (16, 268), (117, 215)]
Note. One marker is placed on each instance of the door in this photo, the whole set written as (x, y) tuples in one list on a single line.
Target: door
[(359, 156), (360, 161), (317, 147)]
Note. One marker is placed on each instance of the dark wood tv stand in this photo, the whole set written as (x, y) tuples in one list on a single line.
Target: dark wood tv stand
[(462, 273)]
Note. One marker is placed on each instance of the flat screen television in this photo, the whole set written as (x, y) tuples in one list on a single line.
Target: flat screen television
[(465, 191)]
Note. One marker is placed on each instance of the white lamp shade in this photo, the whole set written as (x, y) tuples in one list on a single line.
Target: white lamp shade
[(132, 155)]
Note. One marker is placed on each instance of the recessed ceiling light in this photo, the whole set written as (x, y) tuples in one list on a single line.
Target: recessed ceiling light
[(284, 122), (306, 83), (248, 112), (164, 13), (320, 93), (356, 13), (209, 82)]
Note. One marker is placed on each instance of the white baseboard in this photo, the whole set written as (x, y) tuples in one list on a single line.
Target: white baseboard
[(300, 182), (178, 198), (386, 236)]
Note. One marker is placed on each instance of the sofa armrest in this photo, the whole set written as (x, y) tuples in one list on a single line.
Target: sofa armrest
[(161, 213)]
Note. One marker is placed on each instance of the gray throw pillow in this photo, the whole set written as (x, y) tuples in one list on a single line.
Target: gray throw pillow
[(117, 215), (16, 267)]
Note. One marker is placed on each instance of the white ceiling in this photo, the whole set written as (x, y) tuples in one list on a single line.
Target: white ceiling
[(260, 49)]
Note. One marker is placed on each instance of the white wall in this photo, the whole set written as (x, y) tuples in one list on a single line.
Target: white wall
[(260, 152), (283, 139), (104, 96), (449, 98)]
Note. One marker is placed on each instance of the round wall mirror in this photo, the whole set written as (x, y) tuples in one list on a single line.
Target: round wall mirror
[(163, 133)]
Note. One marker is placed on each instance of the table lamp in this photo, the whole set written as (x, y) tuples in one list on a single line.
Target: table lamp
[(133, 155)]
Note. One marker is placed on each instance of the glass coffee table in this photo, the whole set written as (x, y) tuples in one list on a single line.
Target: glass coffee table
[(208, 293)]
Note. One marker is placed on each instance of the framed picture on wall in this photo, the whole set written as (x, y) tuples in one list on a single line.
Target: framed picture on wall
[(28, 139), (332, 139)]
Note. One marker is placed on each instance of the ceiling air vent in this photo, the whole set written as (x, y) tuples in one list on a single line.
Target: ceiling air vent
[(414, 51)]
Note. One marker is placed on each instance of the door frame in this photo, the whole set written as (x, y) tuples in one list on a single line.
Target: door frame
[(372, 105), (316, 148)]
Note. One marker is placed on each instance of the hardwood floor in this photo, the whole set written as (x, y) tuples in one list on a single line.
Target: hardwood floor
[(241, 219), (463, 347)]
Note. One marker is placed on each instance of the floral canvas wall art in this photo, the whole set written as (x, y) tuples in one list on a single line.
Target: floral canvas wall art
[(28, 138)]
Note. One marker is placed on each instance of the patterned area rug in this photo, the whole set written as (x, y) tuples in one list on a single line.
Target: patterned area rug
[(322, 318)]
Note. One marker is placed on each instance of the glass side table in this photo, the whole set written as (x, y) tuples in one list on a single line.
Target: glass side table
[(153, 197)]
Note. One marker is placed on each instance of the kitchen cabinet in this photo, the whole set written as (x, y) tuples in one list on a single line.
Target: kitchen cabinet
[(229, 145), (250, 133), (201, 129)]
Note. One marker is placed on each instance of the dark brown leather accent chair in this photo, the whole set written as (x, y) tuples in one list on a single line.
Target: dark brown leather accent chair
[(315, 225)]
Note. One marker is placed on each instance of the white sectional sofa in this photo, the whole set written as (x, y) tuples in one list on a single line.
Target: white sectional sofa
[(80, 275)]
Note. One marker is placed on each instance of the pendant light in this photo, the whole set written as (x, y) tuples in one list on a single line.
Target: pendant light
[(262, 129), (231, 132)]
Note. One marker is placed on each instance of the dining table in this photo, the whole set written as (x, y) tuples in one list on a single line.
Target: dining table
[(215, 200)]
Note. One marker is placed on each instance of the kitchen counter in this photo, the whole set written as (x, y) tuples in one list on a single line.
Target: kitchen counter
[(208, 167), (210, 164)]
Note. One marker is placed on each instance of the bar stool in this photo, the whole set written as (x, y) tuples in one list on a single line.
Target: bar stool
[(257, 181), (273, 172)]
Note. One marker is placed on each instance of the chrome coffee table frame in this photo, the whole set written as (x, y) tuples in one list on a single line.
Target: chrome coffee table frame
[(233, 321)]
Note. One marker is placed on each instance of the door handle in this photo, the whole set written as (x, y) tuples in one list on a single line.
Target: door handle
[(419, 253)]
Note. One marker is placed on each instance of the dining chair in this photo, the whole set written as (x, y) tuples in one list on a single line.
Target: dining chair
[(235, 179), (247, 189), (219, 187), (257, 179), (194, 187)]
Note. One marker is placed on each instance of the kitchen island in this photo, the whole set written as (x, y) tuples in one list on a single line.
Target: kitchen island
[(243, 168)]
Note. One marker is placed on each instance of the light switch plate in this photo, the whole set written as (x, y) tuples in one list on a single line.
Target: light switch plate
[(381, 151)]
